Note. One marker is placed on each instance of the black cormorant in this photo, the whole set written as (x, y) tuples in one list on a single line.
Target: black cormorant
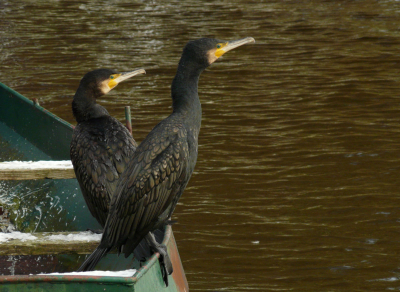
[(101, 146), (156, 177)]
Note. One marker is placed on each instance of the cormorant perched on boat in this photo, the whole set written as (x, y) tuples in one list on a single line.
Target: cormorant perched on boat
[(156, 177), (101, 146)]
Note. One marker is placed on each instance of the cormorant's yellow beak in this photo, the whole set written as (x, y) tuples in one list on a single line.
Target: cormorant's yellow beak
[(118, 78), (226, 47)]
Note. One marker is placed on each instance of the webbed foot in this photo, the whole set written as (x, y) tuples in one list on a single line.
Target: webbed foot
[(164, 259)]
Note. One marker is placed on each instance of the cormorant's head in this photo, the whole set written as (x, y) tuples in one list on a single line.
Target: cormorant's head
[(101, 81), (206, 51)]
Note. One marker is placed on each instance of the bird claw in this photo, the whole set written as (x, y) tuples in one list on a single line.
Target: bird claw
[(165, 263), (164, 259)]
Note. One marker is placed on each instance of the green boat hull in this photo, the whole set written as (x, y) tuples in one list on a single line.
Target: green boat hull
[(33, 133), (148, 278)]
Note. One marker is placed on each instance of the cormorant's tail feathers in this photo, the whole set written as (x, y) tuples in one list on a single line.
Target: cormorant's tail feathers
[(90, 263)]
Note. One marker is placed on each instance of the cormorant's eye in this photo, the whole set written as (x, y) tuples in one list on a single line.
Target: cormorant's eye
[(218, 46), (112, 77)]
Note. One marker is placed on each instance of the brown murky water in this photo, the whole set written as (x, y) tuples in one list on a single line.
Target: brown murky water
[(296, 185)]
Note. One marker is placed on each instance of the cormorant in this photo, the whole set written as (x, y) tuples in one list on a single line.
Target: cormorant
[(156, 177), (101, 146)]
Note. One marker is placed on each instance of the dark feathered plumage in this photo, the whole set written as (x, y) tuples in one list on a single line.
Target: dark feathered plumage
[(101, 146), (149, 190)]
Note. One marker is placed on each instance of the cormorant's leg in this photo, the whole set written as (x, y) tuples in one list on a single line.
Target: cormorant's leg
[(165, 261)]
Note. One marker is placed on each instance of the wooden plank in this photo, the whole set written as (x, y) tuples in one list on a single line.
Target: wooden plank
[(42, 243), (24, 170)]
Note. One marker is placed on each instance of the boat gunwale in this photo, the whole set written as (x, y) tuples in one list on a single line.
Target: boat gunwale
[(89, 278), (37, 106)]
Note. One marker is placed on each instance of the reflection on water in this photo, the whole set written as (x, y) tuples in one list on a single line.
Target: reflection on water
[(295, 185)]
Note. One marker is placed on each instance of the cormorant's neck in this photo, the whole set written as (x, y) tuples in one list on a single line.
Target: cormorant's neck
[(185, 97), (84, 106)]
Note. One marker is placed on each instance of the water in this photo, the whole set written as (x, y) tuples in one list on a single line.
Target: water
[(295, 188)]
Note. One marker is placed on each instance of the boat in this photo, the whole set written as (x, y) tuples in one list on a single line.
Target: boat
[(29, 132)]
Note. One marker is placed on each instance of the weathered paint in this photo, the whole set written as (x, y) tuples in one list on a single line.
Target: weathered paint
[(148, 278), (179, 274)]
